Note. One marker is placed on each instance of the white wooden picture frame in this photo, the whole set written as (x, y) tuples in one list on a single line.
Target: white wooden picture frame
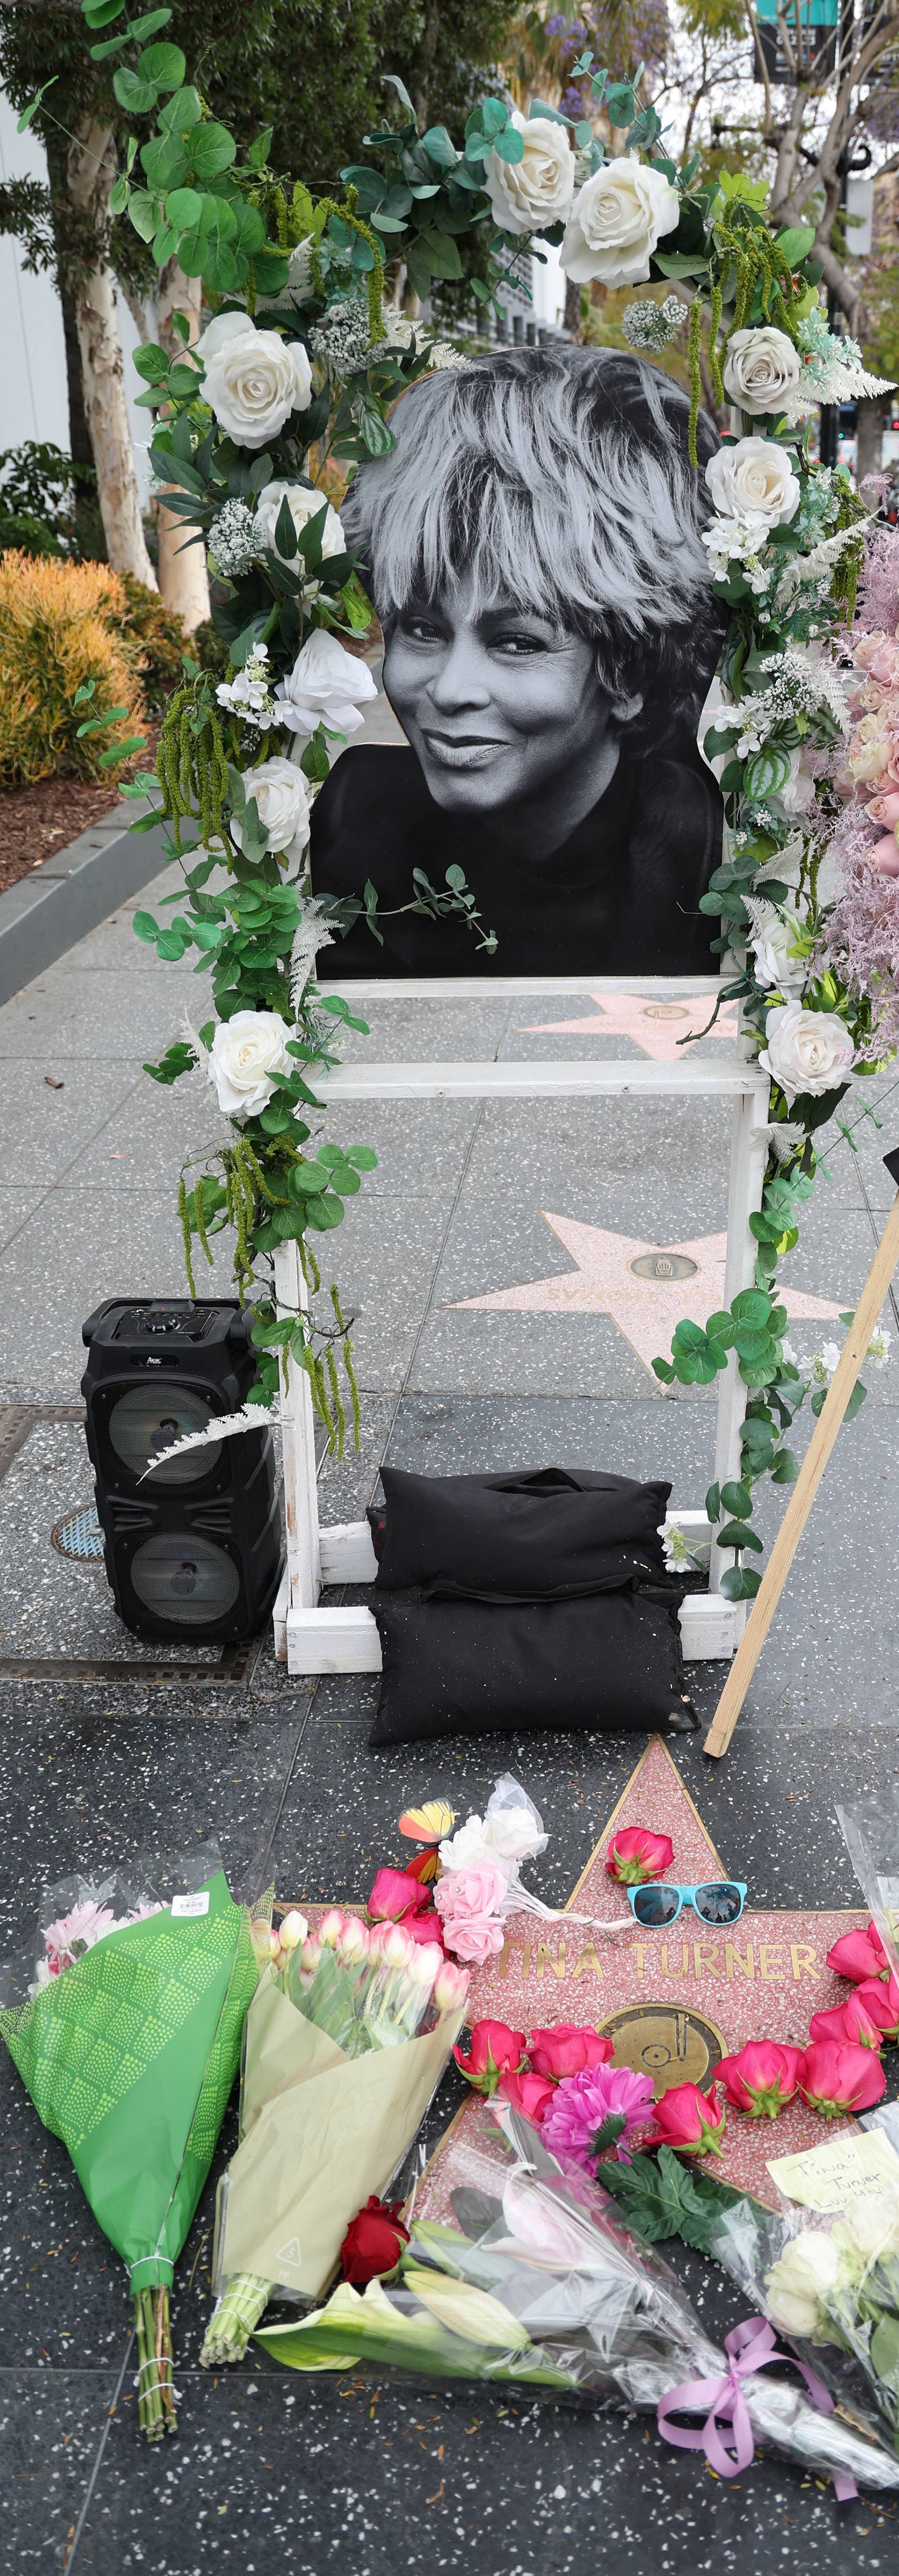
[(343, 1638)]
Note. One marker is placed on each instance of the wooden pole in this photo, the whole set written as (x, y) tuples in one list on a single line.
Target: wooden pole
[(790, 1532)]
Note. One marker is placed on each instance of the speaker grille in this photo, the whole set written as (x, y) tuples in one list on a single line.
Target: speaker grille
[(150, 1418), (185, 1578)]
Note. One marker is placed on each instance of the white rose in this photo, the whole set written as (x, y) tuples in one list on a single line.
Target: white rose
[(279, 791), (253, 380), (761, 369), (529, 194), (324, 686), (246, 1051), (615, 223), (754, 482), (771, 948), (466, 1848), (223, 326), (303, 505), (797, 2285), (806, 1050)]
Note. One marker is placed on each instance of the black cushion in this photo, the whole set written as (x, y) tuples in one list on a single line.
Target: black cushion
[(542, 1536), (608, 1663)]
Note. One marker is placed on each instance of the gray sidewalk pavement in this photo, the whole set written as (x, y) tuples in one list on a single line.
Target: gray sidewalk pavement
[(281, 1772)]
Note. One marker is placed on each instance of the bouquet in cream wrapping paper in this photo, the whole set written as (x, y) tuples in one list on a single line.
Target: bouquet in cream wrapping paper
[(324, 2122)]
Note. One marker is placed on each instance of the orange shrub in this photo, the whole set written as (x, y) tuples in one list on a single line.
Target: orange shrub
[(61, 624)]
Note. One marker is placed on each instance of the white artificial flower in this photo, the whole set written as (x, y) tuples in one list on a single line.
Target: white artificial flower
[(304, 504), (878, 1351), (806, 1051), (761, 369), (463, 1850), (279, 791), (512, 1834), (223, 326), (248, 693), (529, 194), (254, 380), (771, 945), (245, 1052), (324, 687), (754, 482), (615, 223)]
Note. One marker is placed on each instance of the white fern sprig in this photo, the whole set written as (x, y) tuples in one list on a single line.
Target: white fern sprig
[(313, 933), (252, 1417)]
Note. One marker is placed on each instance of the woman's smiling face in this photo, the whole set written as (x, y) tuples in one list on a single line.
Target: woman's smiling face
[(498, 703)]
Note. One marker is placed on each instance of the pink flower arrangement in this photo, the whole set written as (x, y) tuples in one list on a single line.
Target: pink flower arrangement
[(470, 1904), (862, 936), (594, 2110)]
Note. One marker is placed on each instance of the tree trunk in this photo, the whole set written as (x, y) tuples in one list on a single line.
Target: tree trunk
[(91, 171), (870, 437), (183, 578)]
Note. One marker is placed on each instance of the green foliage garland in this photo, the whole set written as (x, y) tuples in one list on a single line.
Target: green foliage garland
[(309, 268)]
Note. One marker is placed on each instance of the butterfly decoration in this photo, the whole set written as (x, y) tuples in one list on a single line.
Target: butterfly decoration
[(428, 1825)]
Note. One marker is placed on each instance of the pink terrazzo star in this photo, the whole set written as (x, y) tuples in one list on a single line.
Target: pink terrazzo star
[(654, 1026), (645, 1310)]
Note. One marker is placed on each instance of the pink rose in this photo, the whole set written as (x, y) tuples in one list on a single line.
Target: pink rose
[(479, 1890), (884, 809), (528, 2093), (885, 857), (475, 1936)]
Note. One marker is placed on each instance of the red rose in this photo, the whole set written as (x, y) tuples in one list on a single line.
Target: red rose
[(494, 2050), (689, 2120), (858, 1955), (635, 1853), (835, 2078), (850, 2021), (373, 2242), (394, 1895), (566, 2049), (426, 1926), (761, 2077), (527, 2093), (881, 2000)]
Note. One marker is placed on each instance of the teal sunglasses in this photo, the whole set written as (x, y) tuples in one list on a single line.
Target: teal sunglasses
[(718, 1902)]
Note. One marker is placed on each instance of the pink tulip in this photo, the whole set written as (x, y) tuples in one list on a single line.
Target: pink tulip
[(450, 1987), (858, 1955), (330, 1928), (761, 2078), (835, 2079), (689, 2120)]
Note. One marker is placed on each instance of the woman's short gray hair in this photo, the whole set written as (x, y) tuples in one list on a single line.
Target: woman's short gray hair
[(560, 479)]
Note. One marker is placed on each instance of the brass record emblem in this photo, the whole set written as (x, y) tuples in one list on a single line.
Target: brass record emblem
[(663, 1265), (673, 2046), (664, 1011)]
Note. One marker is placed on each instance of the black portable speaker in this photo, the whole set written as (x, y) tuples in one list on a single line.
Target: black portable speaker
[(195, 1552)]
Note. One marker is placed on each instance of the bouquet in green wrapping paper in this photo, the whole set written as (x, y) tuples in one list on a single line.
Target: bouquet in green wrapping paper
[(124, 2018)]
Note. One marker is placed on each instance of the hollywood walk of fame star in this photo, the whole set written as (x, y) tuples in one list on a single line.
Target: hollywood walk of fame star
[(655, 1027), (645, 1308), (675, 2003)]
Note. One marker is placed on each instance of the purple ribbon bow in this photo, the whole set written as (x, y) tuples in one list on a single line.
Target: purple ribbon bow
[(727, 2437)]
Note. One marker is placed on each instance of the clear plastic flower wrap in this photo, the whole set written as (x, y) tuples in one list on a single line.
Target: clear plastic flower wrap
[(536, 2282), (870, 1829), (829, 2283)]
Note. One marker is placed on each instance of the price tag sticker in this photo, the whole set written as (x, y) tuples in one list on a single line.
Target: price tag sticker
[(197, 1904)]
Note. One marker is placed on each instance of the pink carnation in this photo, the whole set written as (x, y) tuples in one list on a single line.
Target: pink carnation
[(594, 2110)]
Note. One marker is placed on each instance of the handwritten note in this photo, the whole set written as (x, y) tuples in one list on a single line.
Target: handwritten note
[(848, 2169)]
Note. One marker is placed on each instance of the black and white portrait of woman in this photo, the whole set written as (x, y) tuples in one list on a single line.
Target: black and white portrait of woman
[(533, 548)]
